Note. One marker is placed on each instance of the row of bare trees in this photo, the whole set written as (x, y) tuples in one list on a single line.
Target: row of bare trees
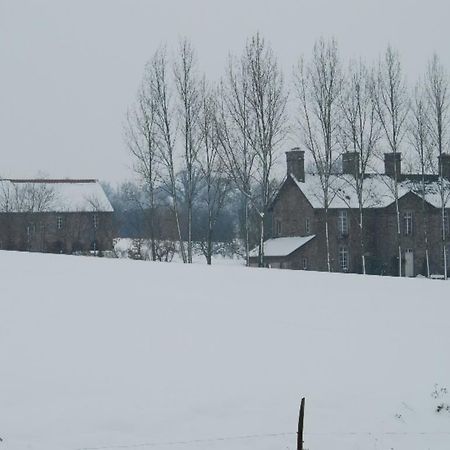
[(185, 131), (370, 111), (225, 136)]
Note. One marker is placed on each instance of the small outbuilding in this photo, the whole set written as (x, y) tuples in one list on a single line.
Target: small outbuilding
[(291, 252)]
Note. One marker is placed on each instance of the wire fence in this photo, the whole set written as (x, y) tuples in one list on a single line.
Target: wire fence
[(369, 434)]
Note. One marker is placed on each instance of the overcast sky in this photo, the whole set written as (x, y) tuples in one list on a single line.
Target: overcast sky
[(70, 69)]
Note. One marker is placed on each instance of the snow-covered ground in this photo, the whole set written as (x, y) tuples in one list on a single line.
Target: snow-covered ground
[(224, 253), (107, 353)]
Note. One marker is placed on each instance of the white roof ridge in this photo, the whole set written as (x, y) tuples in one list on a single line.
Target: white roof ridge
[(377, 191)]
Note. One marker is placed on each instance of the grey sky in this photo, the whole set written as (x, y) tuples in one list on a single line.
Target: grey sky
[(69, 69)]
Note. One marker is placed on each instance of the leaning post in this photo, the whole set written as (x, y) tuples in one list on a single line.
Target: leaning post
[(300, 425)]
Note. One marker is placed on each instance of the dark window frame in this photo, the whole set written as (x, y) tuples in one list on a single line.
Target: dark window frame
[(344, 259), (343, 222), (408, 223)]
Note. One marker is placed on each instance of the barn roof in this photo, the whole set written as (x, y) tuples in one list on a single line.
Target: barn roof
[(53, 195), (282, 246)]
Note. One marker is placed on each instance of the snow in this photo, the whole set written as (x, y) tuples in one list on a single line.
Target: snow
[(225, 253), (55, 195), (283, 246), (378, 191), (107, 353), (72, 197)]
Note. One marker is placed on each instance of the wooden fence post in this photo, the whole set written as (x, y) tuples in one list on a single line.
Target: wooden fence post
[(300, 425)]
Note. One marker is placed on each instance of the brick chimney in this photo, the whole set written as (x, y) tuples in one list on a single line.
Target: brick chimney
[(393, 164), (350, 163), (295, 163), (444, 165)]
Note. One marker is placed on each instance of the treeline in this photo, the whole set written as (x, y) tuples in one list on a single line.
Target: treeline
[(205, 149), (135, 220)]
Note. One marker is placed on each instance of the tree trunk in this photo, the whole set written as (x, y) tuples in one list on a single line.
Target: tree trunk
[(210, 232), (444, 250), (261, 240), (362, 243), (189, 231), (209, 248), (177, 221), (397, 213), (327, 240), (152, 234), (152, 221), (425, 222), (247, 233)]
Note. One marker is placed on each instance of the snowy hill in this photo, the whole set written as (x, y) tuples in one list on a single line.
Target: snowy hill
[(111, 354)]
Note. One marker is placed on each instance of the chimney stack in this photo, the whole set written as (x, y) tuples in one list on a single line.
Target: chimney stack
[(444, 165), (393, 164), (350, 164), (295, 163)]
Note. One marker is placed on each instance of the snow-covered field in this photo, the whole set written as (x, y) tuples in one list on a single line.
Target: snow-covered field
[(102, 353), (224, 254)]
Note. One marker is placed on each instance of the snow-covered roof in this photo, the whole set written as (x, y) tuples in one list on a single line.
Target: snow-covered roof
[(51, 195), (282, 246), (378, 191)]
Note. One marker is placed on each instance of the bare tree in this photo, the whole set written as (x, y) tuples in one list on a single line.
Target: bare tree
[(187, 83), (256, 109), (29, 198), (234, 124), (268, 100), (162, 93), (319, 88), (438, 103), (392, 105), (419, 133), (32, 196), (142, 141), (6, 195), (360, 131), (211, 165)]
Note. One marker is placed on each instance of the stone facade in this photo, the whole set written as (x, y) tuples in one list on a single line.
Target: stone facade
[(71, 216), (56, 232), (295, 212)]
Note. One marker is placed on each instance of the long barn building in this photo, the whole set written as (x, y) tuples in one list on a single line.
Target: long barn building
[(55, 215)]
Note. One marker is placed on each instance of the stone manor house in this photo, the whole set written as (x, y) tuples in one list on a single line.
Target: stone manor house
[(58, 216), (298, 216)]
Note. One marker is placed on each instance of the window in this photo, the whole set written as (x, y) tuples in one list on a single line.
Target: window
[(408, 223), (343, 259), (59, 223), (307, 226), (278, 227), (343, 223), (95, 220), (305, 263)]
